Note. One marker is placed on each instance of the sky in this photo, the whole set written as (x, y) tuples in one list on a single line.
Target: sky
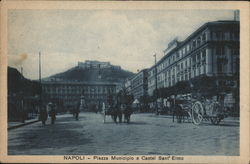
[(128, 38)]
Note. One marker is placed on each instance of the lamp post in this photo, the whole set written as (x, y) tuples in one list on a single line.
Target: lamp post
[(156, 90), (40, 82)]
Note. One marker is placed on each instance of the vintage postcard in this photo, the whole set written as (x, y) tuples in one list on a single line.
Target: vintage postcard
[(124, 82)]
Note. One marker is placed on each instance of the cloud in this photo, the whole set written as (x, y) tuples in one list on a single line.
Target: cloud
[(18, 60), (124, 37), (120, 38)]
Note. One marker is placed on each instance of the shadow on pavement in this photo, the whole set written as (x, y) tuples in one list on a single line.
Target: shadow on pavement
[(138, 123), (223, 124), (233, 125), (131, 123)]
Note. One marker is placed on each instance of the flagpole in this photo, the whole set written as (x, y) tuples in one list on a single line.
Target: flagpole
[(40, 67), (40, 83)]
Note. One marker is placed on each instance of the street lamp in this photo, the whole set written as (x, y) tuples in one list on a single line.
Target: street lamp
[(40, 83), (156, 92)]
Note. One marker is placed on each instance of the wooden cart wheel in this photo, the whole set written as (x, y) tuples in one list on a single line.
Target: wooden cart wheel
[(197, 113)]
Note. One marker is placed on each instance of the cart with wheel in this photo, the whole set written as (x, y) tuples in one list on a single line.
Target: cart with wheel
[(208, 110)]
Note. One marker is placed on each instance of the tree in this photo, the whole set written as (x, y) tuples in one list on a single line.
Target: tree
[(145, 100), (182, 87), (204, 85)]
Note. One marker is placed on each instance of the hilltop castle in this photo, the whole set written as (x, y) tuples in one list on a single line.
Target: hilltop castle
[(96, 64)]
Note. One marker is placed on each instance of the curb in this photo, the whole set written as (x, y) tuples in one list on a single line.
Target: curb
[(23, 124)]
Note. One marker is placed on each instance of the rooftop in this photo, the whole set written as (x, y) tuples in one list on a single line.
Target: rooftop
[(201, 28)]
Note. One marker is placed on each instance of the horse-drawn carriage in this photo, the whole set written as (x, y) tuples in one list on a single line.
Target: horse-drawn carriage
[(198, 111), (117, 112)]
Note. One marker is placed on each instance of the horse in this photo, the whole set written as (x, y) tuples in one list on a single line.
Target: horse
[(181, 113), (117, 113), (114, 112), (127, 113)]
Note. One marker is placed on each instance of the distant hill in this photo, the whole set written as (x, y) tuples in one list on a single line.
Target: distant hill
[(18, 84), (92, 75)]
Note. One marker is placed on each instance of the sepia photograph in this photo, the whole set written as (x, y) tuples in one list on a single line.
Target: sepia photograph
[(123, 84)]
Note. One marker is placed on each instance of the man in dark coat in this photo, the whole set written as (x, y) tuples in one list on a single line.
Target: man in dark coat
[(43, 116), (77, 111), (52, 114)]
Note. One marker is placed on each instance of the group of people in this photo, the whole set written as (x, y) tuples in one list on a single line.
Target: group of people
[(50, 111), (117, 111)]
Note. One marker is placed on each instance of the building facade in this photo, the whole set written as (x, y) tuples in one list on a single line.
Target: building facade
[(212, 50), (127, 86), (69, 93), (139, 84)]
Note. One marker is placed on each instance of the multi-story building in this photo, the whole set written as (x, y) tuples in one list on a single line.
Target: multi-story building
[(95, 93), (139, 84), (212, 50), (151, 80), (127, 86)]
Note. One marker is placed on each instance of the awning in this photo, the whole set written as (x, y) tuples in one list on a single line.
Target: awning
[(136, 101)]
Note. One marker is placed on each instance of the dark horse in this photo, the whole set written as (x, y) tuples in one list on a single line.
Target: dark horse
[(127, 113), (180, 113), (113, 111), (117, 112)]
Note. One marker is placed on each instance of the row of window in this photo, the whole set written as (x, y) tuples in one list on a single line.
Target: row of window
[(172, 80), (184, 65), (224, 35), (182, 52), (78, 87), (75, 90), (139, 79), (138, 89), (77, 97), (137, 83), (172, 76)]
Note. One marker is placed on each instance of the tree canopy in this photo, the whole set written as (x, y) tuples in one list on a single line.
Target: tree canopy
[(204, 85)]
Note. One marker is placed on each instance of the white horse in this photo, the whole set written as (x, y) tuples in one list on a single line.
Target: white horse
[(105, 112)]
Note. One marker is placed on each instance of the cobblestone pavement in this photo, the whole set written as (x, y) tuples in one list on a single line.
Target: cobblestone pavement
[(147, 134)]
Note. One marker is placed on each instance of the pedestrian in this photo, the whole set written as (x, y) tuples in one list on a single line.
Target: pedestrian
[(118, 113), (77, 111), (103, 112), (23, 115), (43, 116), (52, 114), (73, 112)]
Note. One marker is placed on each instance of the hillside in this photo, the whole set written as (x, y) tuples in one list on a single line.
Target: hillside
[(19, 84), (93, 75)]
